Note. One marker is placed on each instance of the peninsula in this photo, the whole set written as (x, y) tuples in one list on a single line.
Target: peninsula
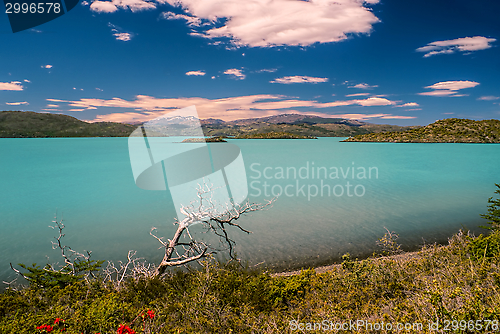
[(452, 130)]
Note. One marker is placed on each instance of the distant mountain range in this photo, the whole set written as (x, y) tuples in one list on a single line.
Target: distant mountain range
[(300, 125), (27, 124)]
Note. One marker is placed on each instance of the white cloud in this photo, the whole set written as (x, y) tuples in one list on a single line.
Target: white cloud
[(114, 5), (449, 88), (13, 85), (369, 102), (410, 104), (267, 70), (99, 89), (230, 108), (123, 36), (103, 7), (196, 73), (358, 94), (488, 98), (364, 117), (47, 66), (16, 103), (52, 106), (453, 85), (466, 44), (363, 86), (26, 80), (443, 92), (398, 117), (298, 79), (191, 21), (264, 23), (119, 34), (235, 73), (374, 101)]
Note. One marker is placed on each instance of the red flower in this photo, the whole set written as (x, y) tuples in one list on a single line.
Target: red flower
[(125, 330), (151, 314), (57, 321), (47, 328)]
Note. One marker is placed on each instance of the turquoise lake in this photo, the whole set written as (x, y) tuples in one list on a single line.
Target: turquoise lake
[(424, 192)]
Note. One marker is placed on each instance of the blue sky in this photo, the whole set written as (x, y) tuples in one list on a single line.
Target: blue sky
[(386, 62)]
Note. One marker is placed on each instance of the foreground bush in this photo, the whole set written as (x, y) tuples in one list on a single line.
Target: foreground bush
[(458, 282)]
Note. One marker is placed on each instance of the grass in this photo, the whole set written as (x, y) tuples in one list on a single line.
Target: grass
[(437, 283)]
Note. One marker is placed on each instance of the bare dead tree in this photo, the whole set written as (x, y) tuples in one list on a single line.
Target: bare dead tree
[(76, 265), (135, 268), (69, 259), (205, 212)]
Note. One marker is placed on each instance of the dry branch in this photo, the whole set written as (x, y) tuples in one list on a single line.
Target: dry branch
[(204, 212)]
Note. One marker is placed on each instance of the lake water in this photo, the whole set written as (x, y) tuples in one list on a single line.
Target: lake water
[(424, 192)]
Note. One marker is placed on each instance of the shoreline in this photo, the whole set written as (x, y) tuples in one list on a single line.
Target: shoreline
[(407, 253), (323, 269)]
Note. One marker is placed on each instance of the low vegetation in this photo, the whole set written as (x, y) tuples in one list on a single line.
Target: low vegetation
[(453, 288), (452, 130), (274, 135), (204, 140)]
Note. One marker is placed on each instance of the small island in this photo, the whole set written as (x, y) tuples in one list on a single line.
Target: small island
[(204, 140), (274, 135), (452, 130)]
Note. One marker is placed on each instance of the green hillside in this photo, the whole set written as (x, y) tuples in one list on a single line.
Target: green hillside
[(298, 125), (452, 130), (27, 124)]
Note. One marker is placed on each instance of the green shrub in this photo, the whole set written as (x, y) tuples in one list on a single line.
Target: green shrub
[(485, 247), (47, 277), (493, 214), (284, 290)]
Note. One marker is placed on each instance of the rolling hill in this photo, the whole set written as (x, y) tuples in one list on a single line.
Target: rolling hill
[(451, 130), (27, 124)]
